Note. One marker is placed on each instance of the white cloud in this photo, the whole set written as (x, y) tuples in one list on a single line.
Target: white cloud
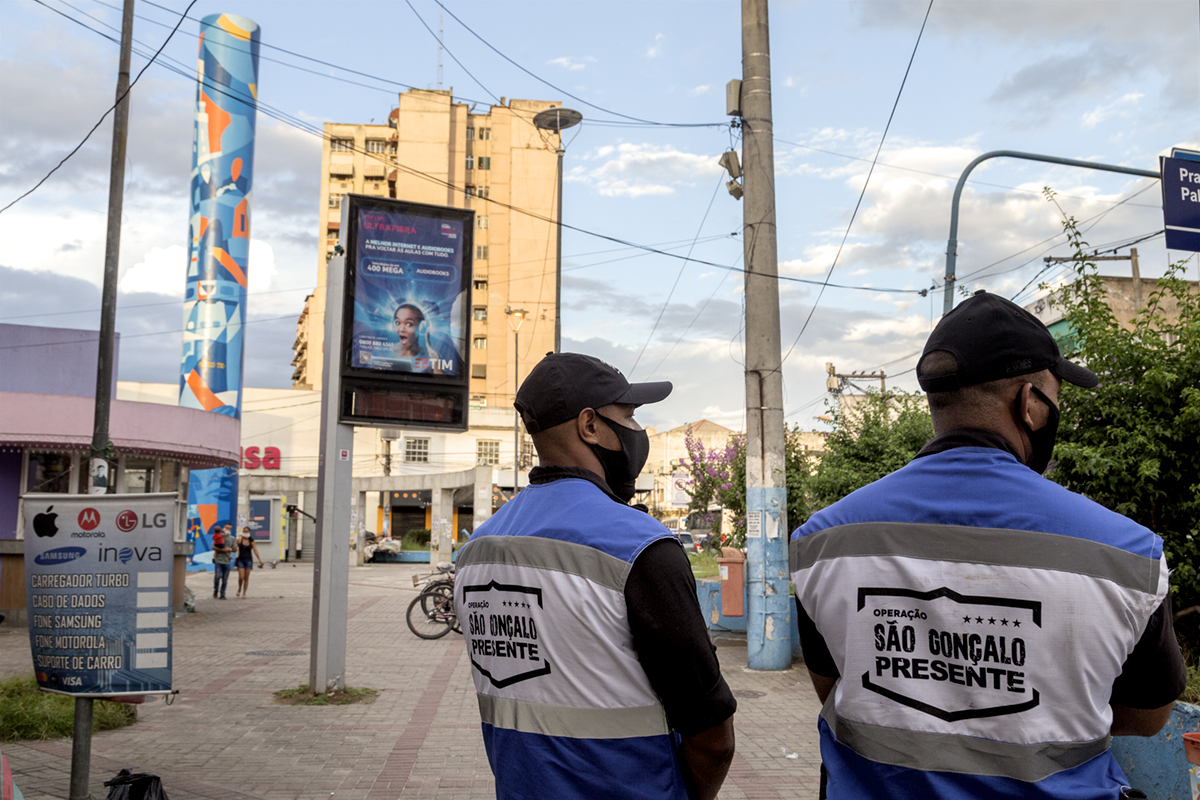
[(162, 270), (655, 50), (634, 170), (571, 63), (699, 90), (1121, 107)]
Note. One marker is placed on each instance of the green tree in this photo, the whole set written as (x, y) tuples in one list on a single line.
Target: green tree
[(871, 438), (1130, 444)]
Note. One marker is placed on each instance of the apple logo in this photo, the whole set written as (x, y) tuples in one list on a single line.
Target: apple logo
[(43, 524)]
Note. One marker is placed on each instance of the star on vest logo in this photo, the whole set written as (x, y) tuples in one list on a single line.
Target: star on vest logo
[(949, 655), (502, 632)]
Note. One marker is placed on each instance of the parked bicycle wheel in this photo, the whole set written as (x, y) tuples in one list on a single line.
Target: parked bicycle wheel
[(431, 615), (434, 590)]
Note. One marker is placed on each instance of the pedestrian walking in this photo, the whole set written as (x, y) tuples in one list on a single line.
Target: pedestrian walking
[(247, 553), (973, 629), (595, 673), (222, 542)]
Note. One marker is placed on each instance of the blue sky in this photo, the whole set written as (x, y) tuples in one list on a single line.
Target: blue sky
[(1114, 82)]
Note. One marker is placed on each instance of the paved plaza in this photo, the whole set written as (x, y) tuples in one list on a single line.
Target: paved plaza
[(226, 737)]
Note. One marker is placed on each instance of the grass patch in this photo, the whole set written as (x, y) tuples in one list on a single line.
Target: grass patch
[(303, 696), (1191, 693), (26, 712), (704, 564)]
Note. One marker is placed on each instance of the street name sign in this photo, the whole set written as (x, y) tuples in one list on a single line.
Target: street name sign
[(1181, 201)]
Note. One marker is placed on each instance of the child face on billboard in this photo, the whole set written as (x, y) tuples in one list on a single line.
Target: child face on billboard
[(406, 321)]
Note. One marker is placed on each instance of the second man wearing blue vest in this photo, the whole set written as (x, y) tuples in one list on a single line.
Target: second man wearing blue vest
[(594, 670)]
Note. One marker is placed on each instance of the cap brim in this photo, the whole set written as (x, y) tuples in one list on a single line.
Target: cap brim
[(1073, 373), (639, 394)]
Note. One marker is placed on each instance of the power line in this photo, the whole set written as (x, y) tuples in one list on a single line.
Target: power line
[(700, 311), (564, 91), (111, 108), (451, 54), (866, 182), (948, 177), (682, 267), (133, 335)]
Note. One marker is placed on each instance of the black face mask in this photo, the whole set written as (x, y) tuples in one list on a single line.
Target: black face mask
[(621, 467), (1042, 440)]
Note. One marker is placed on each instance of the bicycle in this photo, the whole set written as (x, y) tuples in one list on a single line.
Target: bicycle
[(431, 614)]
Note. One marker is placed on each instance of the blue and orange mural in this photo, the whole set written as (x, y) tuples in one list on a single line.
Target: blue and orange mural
[(214, 309)]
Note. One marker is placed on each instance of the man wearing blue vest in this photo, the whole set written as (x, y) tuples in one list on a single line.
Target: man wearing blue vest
[(973, 629), (595, 673)]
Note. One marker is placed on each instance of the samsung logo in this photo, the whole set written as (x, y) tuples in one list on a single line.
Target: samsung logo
[(59, 555)]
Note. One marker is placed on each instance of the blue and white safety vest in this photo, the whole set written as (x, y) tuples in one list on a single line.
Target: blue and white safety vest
[(978, 615), (568, 711)]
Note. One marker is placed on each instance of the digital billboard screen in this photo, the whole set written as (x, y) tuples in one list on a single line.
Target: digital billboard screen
[(409, 314), (407, 305)]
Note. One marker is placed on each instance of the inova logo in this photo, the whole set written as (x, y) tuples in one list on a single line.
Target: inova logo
[(59, 555), (125, 554)]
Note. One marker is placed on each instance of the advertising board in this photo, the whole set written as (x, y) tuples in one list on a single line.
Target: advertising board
[(98, 583), (406, 313)]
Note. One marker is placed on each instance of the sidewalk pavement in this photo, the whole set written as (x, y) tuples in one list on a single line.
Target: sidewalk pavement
[(226, 738)]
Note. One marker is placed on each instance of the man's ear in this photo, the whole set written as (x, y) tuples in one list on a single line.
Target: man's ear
[(1025, 403), (588, 426)]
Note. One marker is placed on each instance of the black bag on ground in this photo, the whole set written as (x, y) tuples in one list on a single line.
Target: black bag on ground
[(127, 785)]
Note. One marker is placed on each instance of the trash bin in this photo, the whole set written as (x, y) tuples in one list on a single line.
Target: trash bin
[(1191, 751), (126, 785), (732, 567)]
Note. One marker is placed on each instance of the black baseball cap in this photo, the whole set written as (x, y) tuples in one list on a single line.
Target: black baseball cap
[(564, 384), (994, 338)]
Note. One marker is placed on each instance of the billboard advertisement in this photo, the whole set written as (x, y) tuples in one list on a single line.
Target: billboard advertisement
[(98, 583), (408, 310), (406, 313)]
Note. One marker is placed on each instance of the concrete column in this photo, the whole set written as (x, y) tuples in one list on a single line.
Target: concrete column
[(483, 495), (441, 543)]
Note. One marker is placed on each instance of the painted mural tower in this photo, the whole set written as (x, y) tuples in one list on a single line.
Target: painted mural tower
[(214, 309)]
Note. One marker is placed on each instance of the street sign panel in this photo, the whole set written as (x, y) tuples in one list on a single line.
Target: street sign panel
[(1181, 203)]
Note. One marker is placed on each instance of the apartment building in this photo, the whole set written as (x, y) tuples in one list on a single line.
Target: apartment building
[(492, 161)]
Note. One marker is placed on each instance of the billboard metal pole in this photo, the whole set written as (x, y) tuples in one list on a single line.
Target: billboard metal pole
[(331, 565)]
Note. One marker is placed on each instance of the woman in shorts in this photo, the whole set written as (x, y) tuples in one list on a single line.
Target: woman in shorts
[(247, 551)]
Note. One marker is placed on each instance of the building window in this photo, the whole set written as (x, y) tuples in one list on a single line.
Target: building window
[(335, 201), (469, 191), (485, 133), (483, 191), (377, 146), (416, 451), (341, 145), (481, 311), (485, 162), (487, 451), (481, 252), (481, 222), (51, 472), (481, 286), (470, 133), (479, 343), (528, 454), (471, 162), (479, 370)]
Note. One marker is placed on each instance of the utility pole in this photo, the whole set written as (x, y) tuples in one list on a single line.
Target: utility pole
[(1132, 258), (768, 629), (81, 737), (837, 381)]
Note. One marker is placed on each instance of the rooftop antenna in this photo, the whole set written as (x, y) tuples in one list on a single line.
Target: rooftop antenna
[(441, 32)]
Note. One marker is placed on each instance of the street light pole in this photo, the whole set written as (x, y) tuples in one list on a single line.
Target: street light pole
[(556, 120), (517, 314)]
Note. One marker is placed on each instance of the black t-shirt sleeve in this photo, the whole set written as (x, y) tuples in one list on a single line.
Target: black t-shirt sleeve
[(1154, 674), (672, 642), (816, 653)]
